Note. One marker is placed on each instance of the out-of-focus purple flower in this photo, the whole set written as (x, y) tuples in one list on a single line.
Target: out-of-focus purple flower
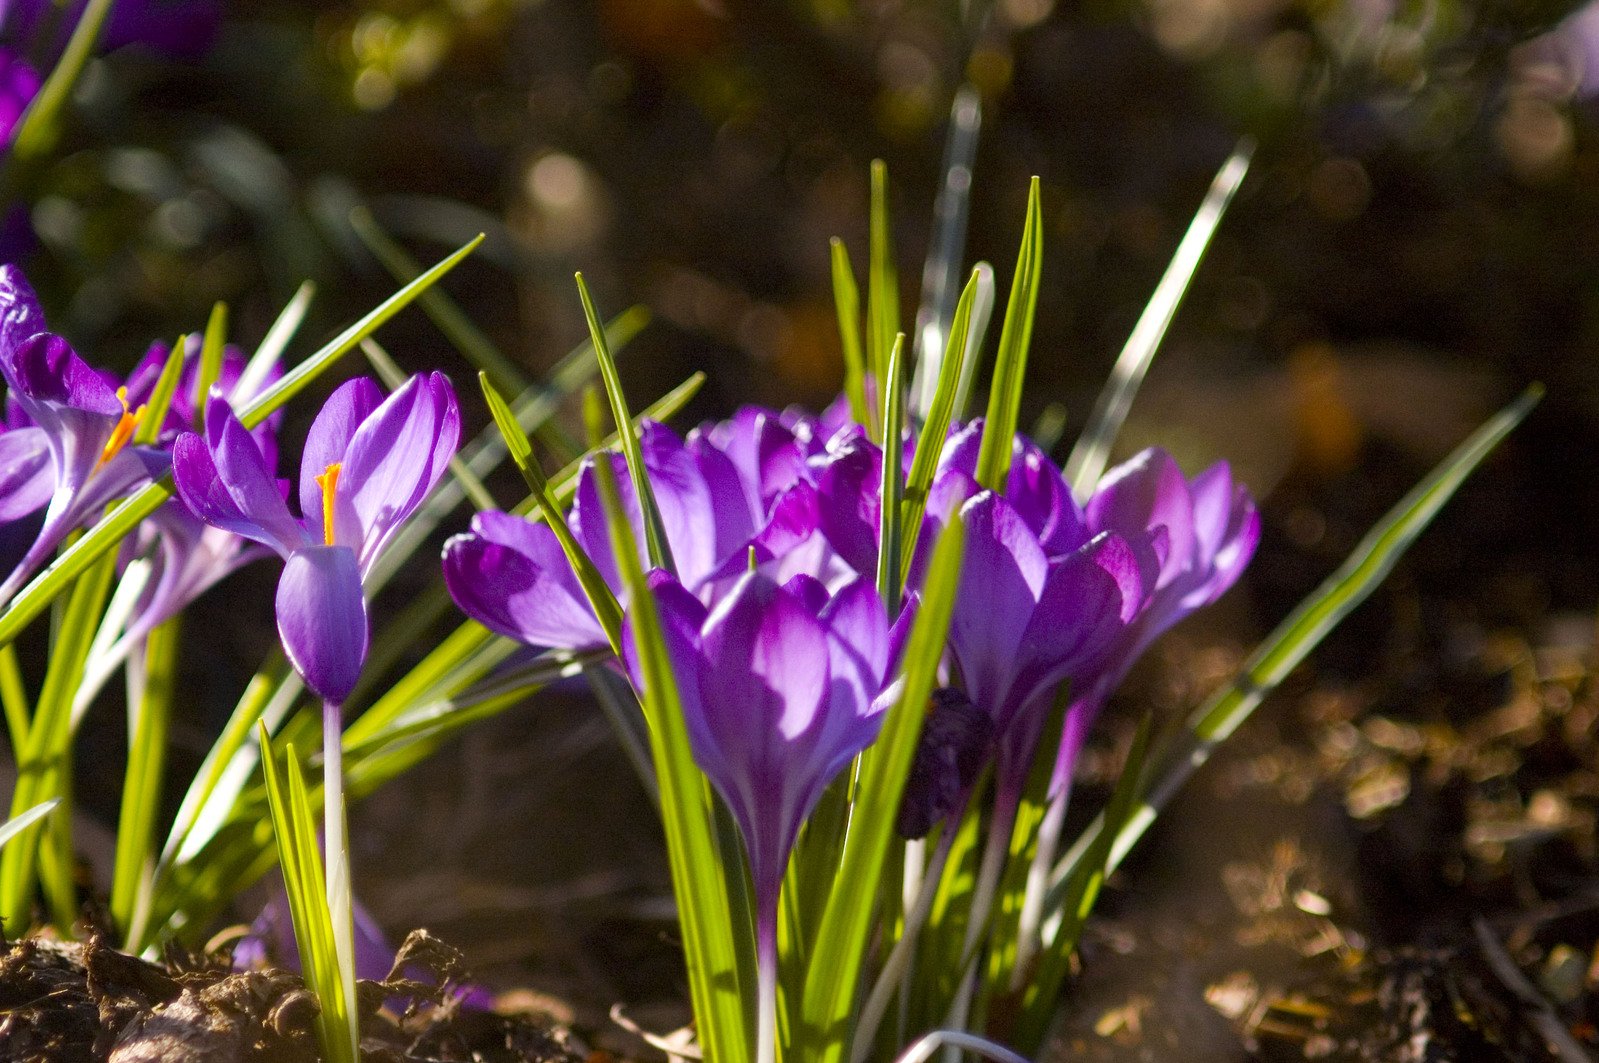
[(744, 484), (1565, 61), (183, 29), (271, 941), (368, 463), (67, 431), (19, 84), (1204, 532)]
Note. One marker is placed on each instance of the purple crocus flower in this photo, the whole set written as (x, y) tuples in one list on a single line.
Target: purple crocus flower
[(746, 484), (1204, 532), (780, 687), (68, 429), (368, 463)]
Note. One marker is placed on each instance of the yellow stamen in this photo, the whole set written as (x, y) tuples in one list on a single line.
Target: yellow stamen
[(124, 429), (329, 482)]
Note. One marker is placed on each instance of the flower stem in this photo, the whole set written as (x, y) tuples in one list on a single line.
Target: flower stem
[(994, 853), (766, 979), (336, 831)]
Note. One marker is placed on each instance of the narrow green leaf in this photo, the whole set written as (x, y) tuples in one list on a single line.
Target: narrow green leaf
[(659, 551), (14, 697), (893, 484), (599, 594), (38, 129), (293, 825), (1282, 651), (143, 781), (941, 270), (698, 868), (882, 281), (935, 428), (1088, 457), (833, 979), (847, 301), (19, 823), (1081, 891), (1010, 364), (270, 350), (166, 386), (216, 338), (109, 532), (44, 761)]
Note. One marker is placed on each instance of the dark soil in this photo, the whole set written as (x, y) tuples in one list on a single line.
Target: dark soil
[(66, 1002)]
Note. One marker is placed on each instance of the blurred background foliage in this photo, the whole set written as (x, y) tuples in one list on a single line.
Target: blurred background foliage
[(1414, 243)]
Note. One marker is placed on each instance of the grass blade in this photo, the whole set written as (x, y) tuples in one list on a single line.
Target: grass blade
[(149, 726), (44, 762), (21, 822), (270, 351), (882, 282), (833, 979), (1010, 364), (393, 378), (216, 334), (935, 424), (1365, 568), (601, 599), (892, 488), (166, 386), (303, 882), (1088, 457), (847, 300), (941, 272), (658, 550), (698, 867), (38, 131)]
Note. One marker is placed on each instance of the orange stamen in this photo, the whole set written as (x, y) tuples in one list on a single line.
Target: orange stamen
[(124, 430), (329, 482)]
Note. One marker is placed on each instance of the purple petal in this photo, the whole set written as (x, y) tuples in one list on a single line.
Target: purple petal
[(736, 512), (322, 618), (684, 501), (849, 485), (511, 576), (1001, 576), (27, 476), (45, 369), (396, 457), (20, 316), (1146, 491), (329, 437), (242, 471)]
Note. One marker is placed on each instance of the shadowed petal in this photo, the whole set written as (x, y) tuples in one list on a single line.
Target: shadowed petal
[(242, 470), (511, 576), (322, 618), (1146, 491), (27, 477), (1001, 576)]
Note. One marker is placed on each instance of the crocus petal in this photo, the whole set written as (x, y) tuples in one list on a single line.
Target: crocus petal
[(1002, 574), (1147, 490), (396, 457), (243, 473), (20, 316), (328, 439), (44, 368), (27, 477), (322, 618), (202, 491), (849, 483), (683, 499), (511, 576)]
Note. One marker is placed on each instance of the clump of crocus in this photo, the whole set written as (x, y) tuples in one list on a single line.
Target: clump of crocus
[(368, 463), (730, 488), (779, 686)]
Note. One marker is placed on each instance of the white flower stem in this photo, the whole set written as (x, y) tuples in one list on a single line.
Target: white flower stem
[(336, 831), (994, 853), (766, 980)]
